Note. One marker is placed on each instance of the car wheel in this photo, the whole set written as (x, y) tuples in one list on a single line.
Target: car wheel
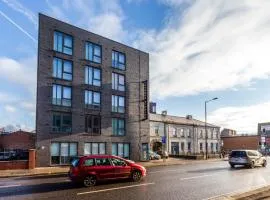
[(89, 181), (264, 163), (252, 164), (136, 176), (232, 166)]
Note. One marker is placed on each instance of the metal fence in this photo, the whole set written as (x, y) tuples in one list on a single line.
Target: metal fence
[(13, 154)]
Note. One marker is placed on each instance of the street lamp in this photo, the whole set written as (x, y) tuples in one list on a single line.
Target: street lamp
[(205, 122)]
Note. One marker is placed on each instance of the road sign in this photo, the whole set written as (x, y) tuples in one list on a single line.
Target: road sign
[(163, 139)]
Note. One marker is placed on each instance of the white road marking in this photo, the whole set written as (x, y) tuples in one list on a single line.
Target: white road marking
[(173, 170), (7, 186), (194, 177), (118, 188)]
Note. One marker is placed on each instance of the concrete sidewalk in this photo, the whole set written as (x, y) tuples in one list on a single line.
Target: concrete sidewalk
[(42, 171)]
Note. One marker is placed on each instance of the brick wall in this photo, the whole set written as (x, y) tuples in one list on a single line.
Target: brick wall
[(240, 142), (17, 140)]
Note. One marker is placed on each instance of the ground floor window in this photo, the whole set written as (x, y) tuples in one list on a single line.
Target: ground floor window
[(175, 148), (121, 149), (63, 152), (189, 146), (182, 146), (201, 146), (94, 148)]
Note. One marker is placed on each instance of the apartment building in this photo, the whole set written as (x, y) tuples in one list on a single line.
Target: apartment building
[(92, 95)]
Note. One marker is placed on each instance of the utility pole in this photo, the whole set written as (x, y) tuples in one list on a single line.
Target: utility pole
[(205, 125)]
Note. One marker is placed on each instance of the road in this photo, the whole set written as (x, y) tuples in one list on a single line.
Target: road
[(187, 182)]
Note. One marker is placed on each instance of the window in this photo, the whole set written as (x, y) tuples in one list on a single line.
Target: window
[(182, 132), (89, 162), (92, 98), (120, 149), (182, 146), (61, 95), (92, 76), (118, 104), (188, 133), (201, 134), (118, 162), (62, 69), (63, 152), (216, 147), (118, 127), (189, 146), (94, 148), (201, 146), (103, 162), (212, 147), (62, 123), (93, 52), (62, 43), (118, 82), (118, 60), (156, 131), (173, 132), (92, 124)]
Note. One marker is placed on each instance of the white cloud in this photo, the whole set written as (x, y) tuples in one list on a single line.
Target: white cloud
[(15, 5), (213, 45), (10, 109), (244, 119), (22, 72)]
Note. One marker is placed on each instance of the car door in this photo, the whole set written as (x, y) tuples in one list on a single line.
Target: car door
[(104, 168), (121, 168), (88, 166)]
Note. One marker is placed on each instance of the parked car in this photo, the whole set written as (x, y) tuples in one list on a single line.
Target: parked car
[(250, 158), (154, 156), (91, 169)]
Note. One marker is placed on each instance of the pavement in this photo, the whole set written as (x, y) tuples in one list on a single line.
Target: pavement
[(63, 170), (191, 181)]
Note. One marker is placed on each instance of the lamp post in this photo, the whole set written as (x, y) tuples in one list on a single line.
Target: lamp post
[(205, 125)]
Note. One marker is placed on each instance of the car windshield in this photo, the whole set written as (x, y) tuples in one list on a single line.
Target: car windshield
[(238, 154), (75, 162)]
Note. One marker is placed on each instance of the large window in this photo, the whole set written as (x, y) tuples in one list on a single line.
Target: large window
[(201, 146), (62, 122), (63, 152), (92, 98), (118, 104), (93, 52), (62, 69), (120, 149), (62, 43), (118, 82), (92, 76), (182, 146), (94, 148), (92, 124), (118, 126), (118, 60), (61, 95), (189, 146)]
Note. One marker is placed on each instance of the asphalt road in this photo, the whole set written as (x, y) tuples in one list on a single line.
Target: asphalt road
[(187, 182)]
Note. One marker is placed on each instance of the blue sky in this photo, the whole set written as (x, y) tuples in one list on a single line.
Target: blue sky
[(199, 49)]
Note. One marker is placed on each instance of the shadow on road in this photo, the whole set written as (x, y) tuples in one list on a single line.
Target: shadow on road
[(51, 187), (42, 177)]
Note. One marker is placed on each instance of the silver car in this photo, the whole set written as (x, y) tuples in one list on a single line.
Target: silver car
[(249, 158)]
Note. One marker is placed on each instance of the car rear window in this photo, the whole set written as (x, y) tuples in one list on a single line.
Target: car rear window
[(239, 154)]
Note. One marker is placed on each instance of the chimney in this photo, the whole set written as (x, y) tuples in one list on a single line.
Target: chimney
[(189, 117)]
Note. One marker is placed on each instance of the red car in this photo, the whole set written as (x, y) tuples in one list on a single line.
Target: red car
[(90, 169)]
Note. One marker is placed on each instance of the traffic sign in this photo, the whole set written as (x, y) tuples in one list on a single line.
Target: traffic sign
[(163, 139)]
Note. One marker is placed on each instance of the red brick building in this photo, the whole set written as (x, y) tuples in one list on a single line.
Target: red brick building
[(241, 142), (17, 140)]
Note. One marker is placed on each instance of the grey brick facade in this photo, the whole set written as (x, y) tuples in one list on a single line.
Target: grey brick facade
[(137, 71)]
